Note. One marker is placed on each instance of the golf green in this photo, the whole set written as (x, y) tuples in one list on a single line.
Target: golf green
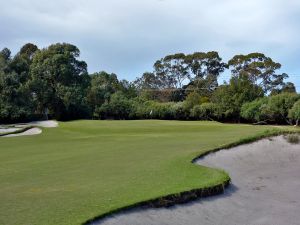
[(83, 169)]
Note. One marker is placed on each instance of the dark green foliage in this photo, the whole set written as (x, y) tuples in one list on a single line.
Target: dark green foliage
[(172, 71), (274, 109), (260, 69), (16, 100), (278, 107), (255, 111), (152, 110), (118, 107), (103, 85), (294, 113), (109, 98), (206, 111), (205, 69), (231, 97), (60, 81), (54, 81), (193, 99), (287, 87)]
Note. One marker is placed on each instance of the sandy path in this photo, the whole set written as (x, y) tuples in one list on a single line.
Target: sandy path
[(264, 191)]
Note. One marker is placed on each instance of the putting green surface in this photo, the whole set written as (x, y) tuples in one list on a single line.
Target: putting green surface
[(83, 169)]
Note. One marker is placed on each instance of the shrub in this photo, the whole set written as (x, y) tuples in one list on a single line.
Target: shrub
[(192, 100), (179, 111), (252, 111), (279, 106), (119, 107), (273, 109), (293, 138), (206, 111), (294, 112)]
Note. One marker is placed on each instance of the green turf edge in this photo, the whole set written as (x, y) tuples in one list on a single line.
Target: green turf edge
[(21, 130), (187, 196)]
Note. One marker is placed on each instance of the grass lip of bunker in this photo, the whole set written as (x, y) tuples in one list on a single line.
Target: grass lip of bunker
[(264, 163)]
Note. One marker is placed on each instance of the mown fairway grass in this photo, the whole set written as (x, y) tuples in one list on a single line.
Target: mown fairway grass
[(83, 169)]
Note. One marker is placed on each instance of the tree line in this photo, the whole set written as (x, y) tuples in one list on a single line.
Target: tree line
[(53, 82)]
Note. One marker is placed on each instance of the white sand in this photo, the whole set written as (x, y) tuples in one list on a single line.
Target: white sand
[(32, 131), (264, 191), (6, 130), (46, 123)]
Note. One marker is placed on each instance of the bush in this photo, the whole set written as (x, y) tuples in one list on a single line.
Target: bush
[(279, 106), (119, 107), (142, 109), (252, 111), (274, 109), (179, 111), (293, 138), (294, 112), (192, 100), (206, 111)]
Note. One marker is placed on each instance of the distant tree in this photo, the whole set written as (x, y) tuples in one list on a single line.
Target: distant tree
[(103, 85), (287, 87), (15, 102), (204, 69), (5, 54), (152, 87), (22, 61), (16, 98), (260, 69), (128, 88), (5, 58), (148, 81), (172, 71), (59, 81), (28, 50)]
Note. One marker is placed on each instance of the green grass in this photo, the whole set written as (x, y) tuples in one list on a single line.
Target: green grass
[(83, 169)]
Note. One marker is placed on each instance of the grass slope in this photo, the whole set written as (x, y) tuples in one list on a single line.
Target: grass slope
[(83, 169)]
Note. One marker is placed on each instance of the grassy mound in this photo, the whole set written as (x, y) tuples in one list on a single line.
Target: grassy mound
[(84, 169)]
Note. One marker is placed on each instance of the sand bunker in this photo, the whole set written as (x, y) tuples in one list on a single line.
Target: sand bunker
[(264, 190), (6, 130), (46, 123), (32, 131)]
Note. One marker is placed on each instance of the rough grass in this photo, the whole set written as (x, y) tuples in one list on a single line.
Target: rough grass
[(293, 138), (85, 169)]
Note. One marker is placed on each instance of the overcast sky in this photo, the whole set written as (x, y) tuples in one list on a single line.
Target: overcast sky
[(127, 36)]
